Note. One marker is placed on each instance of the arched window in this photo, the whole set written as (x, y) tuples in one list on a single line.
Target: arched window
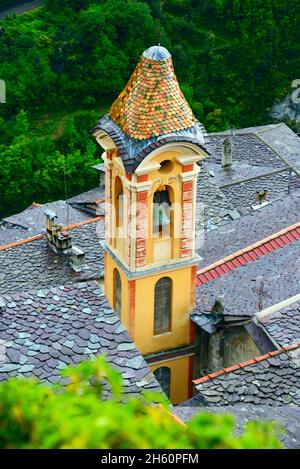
[(119, 202), (162, 306), (163, 376), (117, 292), (161, 219)]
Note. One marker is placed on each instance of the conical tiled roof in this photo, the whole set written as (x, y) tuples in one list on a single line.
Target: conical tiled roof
[(152, 103)]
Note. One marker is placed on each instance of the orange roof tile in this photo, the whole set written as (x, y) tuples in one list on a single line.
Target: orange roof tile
[(152, 103)]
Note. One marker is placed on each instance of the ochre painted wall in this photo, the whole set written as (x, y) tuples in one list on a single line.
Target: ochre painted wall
[(137, 249), (155, 179), (138, 318), (110, 265), (179, 389)]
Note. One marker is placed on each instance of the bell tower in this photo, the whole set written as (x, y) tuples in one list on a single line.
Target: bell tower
[(152, 143)]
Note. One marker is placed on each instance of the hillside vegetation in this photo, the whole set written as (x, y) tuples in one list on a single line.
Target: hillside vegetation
[(65, 62)]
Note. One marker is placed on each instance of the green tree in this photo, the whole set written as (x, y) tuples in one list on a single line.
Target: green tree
[(36, 415), (233, 59)]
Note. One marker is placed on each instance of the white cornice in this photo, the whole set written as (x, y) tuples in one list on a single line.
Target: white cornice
[(189, 159), (147, 169), (104, 140), (188, 152)]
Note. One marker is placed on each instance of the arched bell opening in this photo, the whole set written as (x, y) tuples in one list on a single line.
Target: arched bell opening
[(162, 219), (163, 223)]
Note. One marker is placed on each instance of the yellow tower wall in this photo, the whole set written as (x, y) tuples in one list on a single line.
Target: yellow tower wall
[(180, 377), (138, 306)]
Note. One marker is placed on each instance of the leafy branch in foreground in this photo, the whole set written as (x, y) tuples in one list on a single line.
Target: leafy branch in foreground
[(75, 415)]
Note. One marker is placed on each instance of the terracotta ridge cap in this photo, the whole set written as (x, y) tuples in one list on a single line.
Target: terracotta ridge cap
[(84, 222), (252, 361), (249, 248), (41, 235)]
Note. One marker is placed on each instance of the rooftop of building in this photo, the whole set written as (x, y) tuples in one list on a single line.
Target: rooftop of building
[(257, 165), (45, 330), (278, 325), (287, 417), (269, 379), (32, 264), (255, 282), (279, 137), (263, 388), (31, 221), (152, 103), (249, 229)]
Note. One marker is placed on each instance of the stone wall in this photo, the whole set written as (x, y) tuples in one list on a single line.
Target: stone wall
[(228, 347)]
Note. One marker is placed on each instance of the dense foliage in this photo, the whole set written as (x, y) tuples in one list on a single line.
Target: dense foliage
[(233, 59), (40, 416)]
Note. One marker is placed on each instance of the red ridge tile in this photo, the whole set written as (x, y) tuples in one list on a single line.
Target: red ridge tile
[(248, 362), (261, 357)]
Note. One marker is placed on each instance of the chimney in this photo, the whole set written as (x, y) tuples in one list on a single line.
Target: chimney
[(77, 259), (226, 153), (59, 240)]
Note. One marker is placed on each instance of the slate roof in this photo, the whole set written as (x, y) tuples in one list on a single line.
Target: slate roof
[(288, 417), (212, 204), (283, 140), (249, 254), (91, 202), (271, 379), (45, 330), (277, 274), (134, 151), (32, 220), (250, 155), (281, 323), (256, 166), (250, 228), (11, 235), (34, 265), (279, 137), (151, 103), (278, 184)]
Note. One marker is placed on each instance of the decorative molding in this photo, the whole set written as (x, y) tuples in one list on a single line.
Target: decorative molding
[(118, 161), (147, 169), (175, 179), (175, 264), (185, 160), (189, 152), (104, 140), (154, 182)]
